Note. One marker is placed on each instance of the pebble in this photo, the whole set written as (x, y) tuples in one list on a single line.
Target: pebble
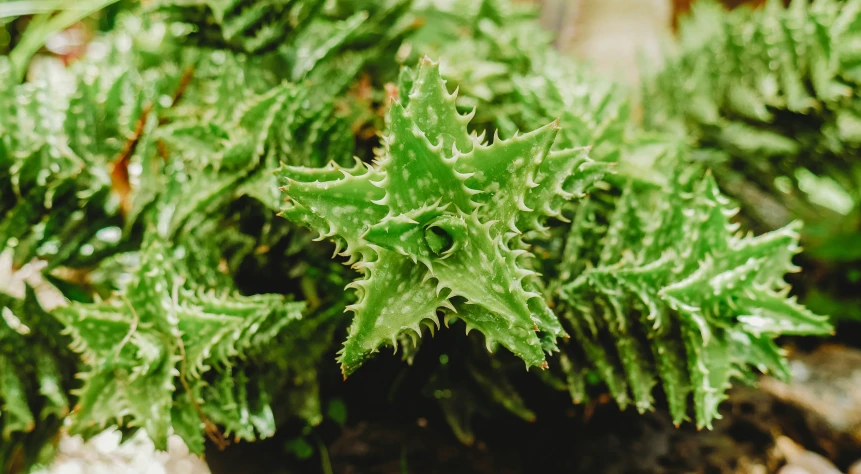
[(793, 469), (802, 461), (104, 455), (825, 385)]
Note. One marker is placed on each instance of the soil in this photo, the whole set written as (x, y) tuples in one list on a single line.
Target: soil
[(397, 430)]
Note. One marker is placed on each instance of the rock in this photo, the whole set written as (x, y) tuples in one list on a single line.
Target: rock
[(793, 469), (105, 455), (827, 383), (822, 402), (802, 461)]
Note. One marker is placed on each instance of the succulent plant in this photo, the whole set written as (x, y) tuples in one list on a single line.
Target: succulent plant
[(431, 224), (768, 99), (685, 298), (145, 178)]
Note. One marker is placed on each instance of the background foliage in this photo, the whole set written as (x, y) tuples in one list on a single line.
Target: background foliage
[(768, 99), (146, 174)]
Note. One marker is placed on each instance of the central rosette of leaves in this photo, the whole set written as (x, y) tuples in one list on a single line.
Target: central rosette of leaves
[(436, 226), (445, 234)]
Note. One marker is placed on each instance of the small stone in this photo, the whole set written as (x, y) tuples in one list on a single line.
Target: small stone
[(71, 467), (178, 466), (104, 455), (107, 441), (177, 447), (808, 462), (793, 469), (71, 444), (825, 386), (155, 469), (748, 466)]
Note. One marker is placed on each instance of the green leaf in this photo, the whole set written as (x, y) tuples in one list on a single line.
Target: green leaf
[(336, 410), (428, 226), (36, 378), (696, 311), (147, 347)]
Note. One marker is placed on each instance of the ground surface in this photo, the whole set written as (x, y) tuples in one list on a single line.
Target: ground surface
[(810, 426)]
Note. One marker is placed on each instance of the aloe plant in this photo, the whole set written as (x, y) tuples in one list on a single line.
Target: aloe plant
[(708, 301), (36, 376), (149, 186), (768, 99), (148, 350), (432, 223)]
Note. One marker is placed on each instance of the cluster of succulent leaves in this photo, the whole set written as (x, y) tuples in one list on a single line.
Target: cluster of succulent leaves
[(37, 371), (685, 299), (147, 189), (486, 44), (584, 246), (767, 97), (434, 224)]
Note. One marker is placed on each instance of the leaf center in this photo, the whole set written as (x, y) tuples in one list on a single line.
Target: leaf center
[(445, 235)]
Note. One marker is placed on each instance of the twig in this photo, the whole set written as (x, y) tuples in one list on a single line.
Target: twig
[(120, 170), (184, 81)]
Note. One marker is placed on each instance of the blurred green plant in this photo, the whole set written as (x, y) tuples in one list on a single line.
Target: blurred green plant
[(145, 176), (768, 99)]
